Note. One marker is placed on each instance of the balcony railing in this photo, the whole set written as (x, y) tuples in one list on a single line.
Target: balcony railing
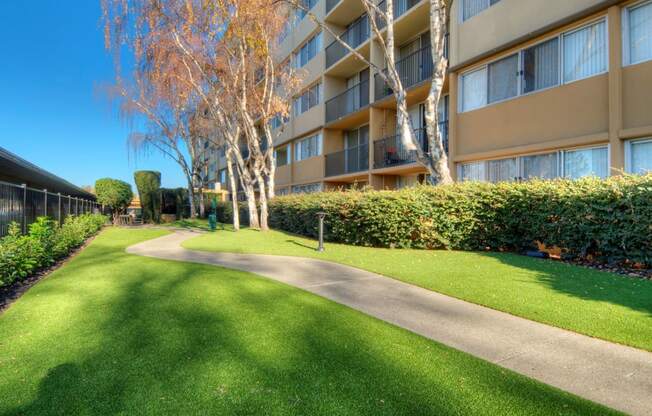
[(355, 159), (354, 36), (413, 69), (349, 101), (330, 4), (391, 151), (400, 7)]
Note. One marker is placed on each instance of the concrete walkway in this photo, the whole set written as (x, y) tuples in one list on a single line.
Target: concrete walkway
[(614, 375)]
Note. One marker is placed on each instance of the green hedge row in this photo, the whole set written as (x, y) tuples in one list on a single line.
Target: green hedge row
[(610, 220), (225, 212), (46, 242)]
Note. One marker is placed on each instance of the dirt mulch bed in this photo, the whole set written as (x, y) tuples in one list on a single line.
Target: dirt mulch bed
[(9, 294)]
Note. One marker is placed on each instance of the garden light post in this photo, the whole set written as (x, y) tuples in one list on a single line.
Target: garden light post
[(321, 216)]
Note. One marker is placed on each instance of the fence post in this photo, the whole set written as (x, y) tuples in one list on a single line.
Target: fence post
[(69, 206), (76, 206), (59, 208), (24, 208), (45, 203)]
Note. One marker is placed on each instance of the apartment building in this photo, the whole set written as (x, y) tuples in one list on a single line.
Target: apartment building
[(536, 88)]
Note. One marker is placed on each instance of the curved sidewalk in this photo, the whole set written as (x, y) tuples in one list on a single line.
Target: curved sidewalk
[(617, 376)]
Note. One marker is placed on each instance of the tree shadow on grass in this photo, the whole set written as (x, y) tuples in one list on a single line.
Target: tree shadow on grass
[(195, 339), (297, 243)]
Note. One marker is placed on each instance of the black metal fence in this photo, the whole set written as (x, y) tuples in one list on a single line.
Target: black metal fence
[(412, 69), (354, 36), (391, 151), (23, 205), (355, 159), (330, 4), (349, 101), (400, 7)]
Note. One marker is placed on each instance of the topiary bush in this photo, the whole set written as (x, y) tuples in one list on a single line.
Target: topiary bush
[(609, 220), (225, 212), (114, 194), (22, 255), (148, 184)]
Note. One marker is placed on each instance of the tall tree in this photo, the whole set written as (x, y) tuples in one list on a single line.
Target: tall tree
[(381, 20)]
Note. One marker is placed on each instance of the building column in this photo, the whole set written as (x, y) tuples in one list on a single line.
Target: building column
[(616, 145), (452, 123)]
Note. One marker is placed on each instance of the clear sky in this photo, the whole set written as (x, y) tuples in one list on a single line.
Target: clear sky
[(51, 113)]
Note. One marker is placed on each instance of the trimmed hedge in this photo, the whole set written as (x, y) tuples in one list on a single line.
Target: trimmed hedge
[(46, 242), (225, 212), (148, 183), (609, 220)]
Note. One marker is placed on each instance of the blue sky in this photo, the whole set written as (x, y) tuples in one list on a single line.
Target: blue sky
[(51, 113)]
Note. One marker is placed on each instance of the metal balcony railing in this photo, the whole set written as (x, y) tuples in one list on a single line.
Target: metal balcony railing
[(390, 151), (330, 4), (354, 36), (349, 101), (413, 69), (400, 7), (355, 159)]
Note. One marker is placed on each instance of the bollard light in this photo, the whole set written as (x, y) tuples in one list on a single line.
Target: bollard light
[(320, 216)]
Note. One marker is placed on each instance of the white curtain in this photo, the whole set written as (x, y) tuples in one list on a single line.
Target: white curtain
[(586, 162), (585, 52), (473, 171), (503, 170), (541, 66), (474, 90), (640, 33), (473, 7), (540, 166), (641, 157), (503, 79)]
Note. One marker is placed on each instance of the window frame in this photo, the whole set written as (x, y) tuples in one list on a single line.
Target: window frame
[(560, 153), (625, 33), (519, 52), (461, 11), (628, 152), (298, 144)]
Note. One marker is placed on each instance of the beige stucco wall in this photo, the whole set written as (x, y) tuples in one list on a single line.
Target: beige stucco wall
[(282, 176), (308, 121), (566, 112), (637, 95), (507, 21), (309, 170)]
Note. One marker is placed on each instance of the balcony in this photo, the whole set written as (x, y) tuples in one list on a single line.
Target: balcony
[(354, 36), (391, 151), (330, 4), (355, 159), (400, 7), (348, 102), (413, 69)]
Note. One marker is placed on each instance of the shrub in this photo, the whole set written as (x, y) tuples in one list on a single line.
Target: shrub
[(148, 184), (115, 194), (225, 212), (22, 255), (610, 220)]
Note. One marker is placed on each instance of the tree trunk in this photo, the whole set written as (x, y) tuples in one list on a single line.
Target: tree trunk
[(234, 192), (262, 197), (251, 205), (202, 205), (191, 196)]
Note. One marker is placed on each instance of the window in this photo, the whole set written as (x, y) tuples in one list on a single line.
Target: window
[(282, 191), (582, 51), (307, 5), (307, 188), (308, 147), (541, 66), (474, 90), (638, 33), (586, 162), (282, 156), (222, 176), (307, 51), (639, 156), (309, 99), (472, 171), (503, 79), (277, 122), (503, 170), (577, 163), (544, 166), (585, 52), (472, 7)]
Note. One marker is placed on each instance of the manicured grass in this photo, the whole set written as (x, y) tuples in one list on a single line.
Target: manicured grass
[(595, 303), (190, 224), (112, 333)]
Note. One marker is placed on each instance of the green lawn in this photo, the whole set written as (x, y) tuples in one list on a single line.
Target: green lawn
[(112, 333), (591, 302)]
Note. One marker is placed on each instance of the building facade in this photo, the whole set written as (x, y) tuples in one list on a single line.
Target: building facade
[(537, 88)]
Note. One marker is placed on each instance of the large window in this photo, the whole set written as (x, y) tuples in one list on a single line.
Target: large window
[(638, 33), (309, 99), (639, 156), (308, 51), (307, 188), (572, 164), (282, 156), (472, 7), (308, 147), (582, 51)]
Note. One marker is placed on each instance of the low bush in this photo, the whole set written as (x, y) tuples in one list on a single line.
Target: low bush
[(608, 220), (46, 242), (225, 212)]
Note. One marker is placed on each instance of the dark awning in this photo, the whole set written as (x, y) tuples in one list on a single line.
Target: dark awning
[(15, 169)]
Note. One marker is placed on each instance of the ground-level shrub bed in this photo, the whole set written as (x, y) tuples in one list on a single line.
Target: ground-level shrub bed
[(609, 220), (46, 242)]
